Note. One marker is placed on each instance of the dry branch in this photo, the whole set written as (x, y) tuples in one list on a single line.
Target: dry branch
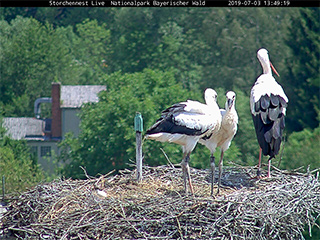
[(117, 207)]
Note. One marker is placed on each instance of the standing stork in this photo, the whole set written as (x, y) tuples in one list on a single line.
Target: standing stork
[(185, 123), (268, 104), (223, 137)]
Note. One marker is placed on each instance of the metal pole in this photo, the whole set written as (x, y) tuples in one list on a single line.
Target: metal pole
[(139, 155), (138, 127)]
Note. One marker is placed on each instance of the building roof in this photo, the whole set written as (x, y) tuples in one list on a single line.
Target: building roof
[(24, 128), (70, 97), (76, 96)]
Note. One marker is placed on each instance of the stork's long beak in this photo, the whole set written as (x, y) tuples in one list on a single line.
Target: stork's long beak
[(230, 102), (274, 70)]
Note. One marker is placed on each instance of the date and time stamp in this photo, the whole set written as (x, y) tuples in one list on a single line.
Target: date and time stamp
[(259, 3)]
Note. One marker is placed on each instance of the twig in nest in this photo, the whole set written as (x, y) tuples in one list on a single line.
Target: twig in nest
[(166, 156), (85, 173)]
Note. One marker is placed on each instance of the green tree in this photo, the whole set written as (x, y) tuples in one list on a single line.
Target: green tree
[(303, 78), (33, 55), (59, 17), (134, 39), (91, 51), (230, 42), (29, 62), (173, 53), (302, 149)]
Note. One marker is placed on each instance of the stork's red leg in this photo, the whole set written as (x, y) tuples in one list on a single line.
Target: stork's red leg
[(212, 165), (189, 178), (269, 166), (259, 164), (186, 173)]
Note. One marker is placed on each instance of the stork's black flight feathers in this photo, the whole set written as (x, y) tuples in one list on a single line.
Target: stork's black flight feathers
[(269, 123)]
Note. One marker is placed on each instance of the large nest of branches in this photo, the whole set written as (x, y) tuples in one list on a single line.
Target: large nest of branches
[(117, 207)]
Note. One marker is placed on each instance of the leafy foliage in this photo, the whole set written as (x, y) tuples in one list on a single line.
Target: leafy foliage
[(29, 62), (90, 49), (302, 149), (304, 80), (17, 165)]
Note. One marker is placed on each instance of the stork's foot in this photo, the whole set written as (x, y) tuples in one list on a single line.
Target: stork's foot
[(256, 178), (259, 177), (212, 194), (191, 187), (218, 192)]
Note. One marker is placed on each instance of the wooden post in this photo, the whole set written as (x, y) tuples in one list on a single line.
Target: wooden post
[(138, 127)]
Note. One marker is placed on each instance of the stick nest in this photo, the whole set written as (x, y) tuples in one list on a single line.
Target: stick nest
[(118, 207)]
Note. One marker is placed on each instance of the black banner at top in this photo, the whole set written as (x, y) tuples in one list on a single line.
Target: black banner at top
[(160, 3)]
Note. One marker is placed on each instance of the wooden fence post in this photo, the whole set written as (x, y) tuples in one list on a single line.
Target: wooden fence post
[(138, 127)]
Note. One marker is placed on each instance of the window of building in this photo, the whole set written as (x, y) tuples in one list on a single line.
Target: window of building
[(45, 151)]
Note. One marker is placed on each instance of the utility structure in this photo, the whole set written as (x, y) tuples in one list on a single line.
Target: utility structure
[(138, 127)]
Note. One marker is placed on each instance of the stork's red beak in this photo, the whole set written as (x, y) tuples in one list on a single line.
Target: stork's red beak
[(274, 70)]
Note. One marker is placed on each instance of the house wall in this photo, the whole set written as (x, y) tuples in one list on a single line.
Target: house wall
[(70, 121), (45, 151)]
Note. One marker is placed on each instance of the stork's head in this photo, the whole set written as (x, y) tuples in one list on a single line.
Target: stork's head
[(263, 57), (230, 101), (210, 96)]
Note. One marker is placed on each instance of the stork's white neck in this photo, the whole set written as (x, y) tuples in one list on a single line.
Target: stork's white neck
[(232, 109), (263, 57), (230, 117), (266, 66)]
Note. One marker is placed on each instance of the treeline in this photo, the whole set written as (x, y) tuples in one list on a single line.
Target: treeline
[(150, 58)]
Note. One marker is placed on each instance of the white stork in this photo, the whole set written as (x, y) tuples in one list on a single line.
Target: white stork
[(268, 104), (185, 123), (224, 136)]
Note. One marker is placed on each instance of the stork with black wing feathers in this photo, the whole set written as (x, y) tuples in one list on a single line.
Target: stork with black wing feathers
[(268, 104), (185, 123)]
